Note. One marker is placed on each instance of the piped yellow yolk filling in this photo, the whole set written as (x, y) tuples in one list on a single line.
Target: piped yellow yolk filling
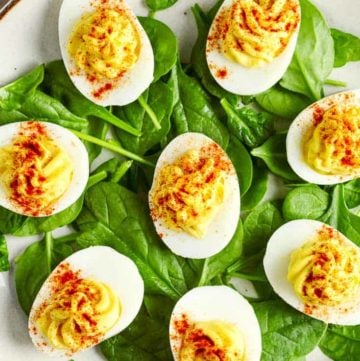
[(333, 147), (189, 192), (34, 170), (257, 31), (79, 315), (213, 341), (325, 270), (105, 44)]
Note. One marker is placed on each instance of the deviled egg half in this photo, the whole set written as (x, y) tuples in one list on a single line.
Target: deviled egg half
[(323, 142), (251, 43), (214, 322), (195, 196), (315, 269), (89, 297), (106, 52), (44, 168)]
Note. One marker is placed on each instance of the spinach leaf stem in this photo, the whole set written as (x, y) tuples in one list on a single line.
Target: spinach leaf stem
[(149, 112)]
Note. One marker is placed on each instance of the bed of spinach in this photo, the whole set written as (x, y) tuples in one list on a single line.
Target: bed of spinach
[(113, 210)]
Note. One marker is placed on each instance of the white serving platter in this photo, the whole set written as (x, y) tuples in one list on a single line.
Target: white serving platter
[(28, 37)]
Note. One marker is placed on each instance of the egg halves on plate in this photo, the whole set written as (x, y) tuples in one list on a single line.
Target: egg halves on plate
[(250, 45), (195, 197), (89, 297), (106, 52)]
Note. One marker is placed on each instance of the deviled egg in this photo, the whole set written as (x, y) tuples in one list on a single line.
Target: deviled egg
[(214, 322), (195, 197), (323, 142), (89, 297), (315, 269), (251, 43), (106, 52), (44, 168)]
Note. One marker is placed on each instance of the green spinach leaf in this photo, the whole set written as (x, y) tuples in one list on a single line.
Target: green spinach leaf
[(14, 94), (241, 159), (159, 97), (156, 5), (352, 193), (340, 217), (116, 217), (4, 255), (248, 125), (164, 44), (286, 333), (273, 153), (306, 202), (347, 47), (282, 102), (341, 343), (313, 59), (257, 190), (194, 110)]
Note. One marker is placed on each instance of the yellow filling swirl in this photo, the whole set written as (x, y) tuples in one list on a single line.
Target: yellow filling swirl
[(212, 341), (325, 270), (189, 192), (79, 315), (258, 30), (105, 43), (34, 170), (333, 147)]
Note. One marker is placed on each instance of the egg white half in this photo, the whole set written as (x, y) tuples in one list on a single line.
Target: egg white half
[(134, 82), (298, 131), (71, 145), (282, 243), (103, 264), (217, 303), (248, 81), (224, 223)]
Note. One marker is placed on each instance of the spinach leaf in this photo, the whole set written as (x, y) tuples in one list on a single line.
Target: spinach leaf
[(4, 255), (248, 125), (347, 47), (282, 102), (241, 159), (341, 343), (164, 44), (217, 264), (257, 190), (286, 333), (259, 225), (159, 97), (146, 339), (198, 55), (340, 217), (10, 221), (194, 110), (116, 217), (58, 85), (35, 264), (14, 94), (313, 59), (309, 202), (273, 153), (352, 193), (156, 5)]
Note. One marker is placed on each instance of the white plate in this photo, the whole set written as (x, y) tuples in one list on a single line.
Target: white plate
[(28, 37)]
